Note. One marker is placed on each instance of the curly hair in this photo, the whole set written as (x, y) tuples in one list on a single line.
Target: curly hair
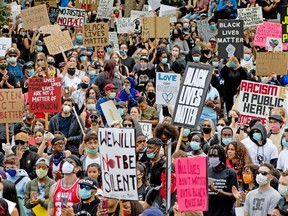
[(241, 154), (253, 168), (166, 129)]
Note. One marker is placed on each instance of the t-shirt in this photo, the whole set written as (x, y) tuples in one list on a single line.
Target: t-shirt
[(16, 71), (64, 124), (261, 203), (282, 162), (89, 209), (90, 161), (67, 82), (129, 62), (143, 77), (208, 112)]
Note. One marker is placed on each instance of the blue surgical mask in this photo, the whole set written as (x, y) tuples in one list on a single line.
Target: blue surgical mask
[(215, 64), (247, 57), (186, 132), (232, 64), (284, 142), (150, 155), (109, 49), (123, 52), (226, 141), (194, 145), (39, 48), (121, 111), (164, 60), (30, 72), (11, 172), (257, 136), (92, 151), (38, 127), (83, 58), (91, 106), (214, 161), (196, 58), (92, 73), (79, 37), (85, 194), (213, 27), (112, 95)]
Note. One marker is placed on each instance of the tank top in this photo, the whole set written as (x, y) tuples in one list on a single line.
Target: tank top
[(70, 193)]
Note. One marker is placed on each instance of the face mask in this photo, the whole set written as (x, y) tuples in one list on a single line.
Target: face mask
[(83, 58), (151, 95), (109, 49), (196, 59), (150, 155), (84, 85), (257, 136), (12, 59), (206, 130), (214, 161), (23, 34), (261, 179), (215, 64), (247, 178), (247, 57), (284, 142), (92, 73), (3, 66), (226, 141), (85, 194), (91, 106), (143, 65), (283, 189), (186, 25), (30, 72), (11, 172), (5, 30), (123, 52), (39, 48), (194, 145), (71, 71), (100, 55), (67, 168), (193, 29), (176, 35), (186, 132), (230, 119), (164, 60), (213, 27), (51, 63), (38, 127), (66, 109), (175, 53), (41, 173), (232, 64), (112, 95), (275, 128), (206, 52), (79, 37), (121, 111), (92, 151)]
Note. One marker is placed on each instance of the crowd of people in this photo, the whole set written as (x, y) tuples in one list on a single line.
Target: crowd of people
[(53, 166)]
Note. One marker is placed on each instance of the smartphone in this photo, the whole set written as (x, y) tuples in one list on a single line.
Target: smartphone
[(64, 202), (104, 204)]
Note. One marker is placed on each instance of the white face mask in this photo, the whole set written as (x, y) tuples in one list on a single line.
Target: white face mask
[(283, 189), (67, 168), (261, 179), (66, 109)]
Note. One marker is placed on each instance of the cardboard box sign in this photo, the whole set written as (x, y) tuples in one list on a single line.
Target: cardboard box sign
[(35, 17), (96, 34)]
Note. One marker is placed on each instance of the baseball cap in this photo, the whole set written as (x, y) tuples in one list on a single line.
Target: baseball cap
[(143, 57), (75, 159), (276, 117), (109, 87), (212, 39), (12, 51), (42, 160), (89, 182), (196, 51), (22, 136), (203, 14), (121, 104), (152, 211), (39, 43)]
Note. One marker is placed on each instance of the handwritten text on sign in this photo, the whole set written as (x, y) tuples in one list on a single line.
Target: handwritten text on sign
[(71, 17), (90, 5), (58, 42), (95, 34), (35, 17), (191, 183), (267, 29), (45, 95), (251, 16), (118, 163)]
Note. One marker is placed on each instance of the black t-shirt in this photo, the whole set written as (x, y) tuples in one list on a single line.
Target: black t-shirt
[(141, 192), (272, 14), (154, 171), (143, 77), (129, 62), (11, 80), (90, 209)]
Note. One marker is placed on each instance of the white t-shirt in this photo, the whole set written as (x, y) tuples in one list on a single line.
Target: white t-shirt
[(90, 161), (79, 97), (282, 162), (67, 82)]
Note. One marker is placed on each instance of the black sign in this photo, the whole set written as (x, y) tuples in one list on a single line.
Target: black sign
[(230, 38), (53, 14), (192, 95), (284, 21)]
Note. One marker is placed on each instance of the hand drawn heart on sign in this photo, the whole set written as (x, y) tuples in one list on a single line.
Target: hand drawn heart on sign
[(167, 97)]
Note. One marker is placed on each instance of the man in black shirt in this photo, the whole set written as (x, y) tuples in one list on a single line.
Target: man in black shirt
[(7, 79), (125, 59)]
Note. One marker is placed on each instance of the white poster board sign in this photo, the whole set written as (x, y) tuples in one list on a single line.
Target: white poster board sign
[(5, 43), (110, 112), (168, 11), (146, 129), (104, 9), (114, 41)]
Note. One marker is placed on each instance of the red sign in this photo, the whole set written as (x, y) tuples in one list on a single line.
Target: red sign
[(44, 95)]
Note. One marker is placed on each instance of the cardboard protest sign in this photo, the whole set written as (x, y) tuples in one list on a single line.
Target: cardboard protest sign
[(95, 34), (136, 18), (90, 5), (50, 29), (114, 41), (258, 99), (155, 27), (203, 27), (118, 163), (49, 3), (148, 27), (126, 25), (167, 88), (267, 29), (192, 184), (5, 43), (53, 14), (251, 16), (268, 62), (230, 38), (169, 11), (35, 17), (146, 129), (11, 105), (71, 17), (284, 22), (58, 43), (274, 44), (104, 9), (192, 94), (110, 112), (45, 95)]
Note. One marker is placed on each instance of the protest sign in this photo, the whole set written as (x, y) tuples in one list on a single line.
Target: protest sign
[(203, 27), (146, 8), (126, 25), (15, 10), (5, 43), (154, 4), (256, 100), (104, 9), (114, 41), (35, 17), (71, 17), (251, 16), (192, 94), (268, 62), (284, 22), (95, 34), (136, 18), (11, 105), (49, 3), (274, 44), (192, 184), (58, 43), (110, 112), (90, 5), (167, 88), (118, 163), (267, 29), (149, 29), (45, 95), (168, 11), (146, 129), (53, 14), (50, 29), (230, 38)]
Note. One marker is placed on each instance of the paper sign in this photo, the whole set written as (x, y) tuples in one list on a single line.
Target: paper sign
[(50, 29), (258, 99), (89, 5), (168, 11), (35, 17), (118, 163), (284, 22), (146, 129), (71, 17), (136, 18), (15, 10), (192, 94), (268, 62), (251, 16), (45, 95), (230, 38), (162, 27), (5, 43), (274, 44), (95, 34), (110, 112), (155, 27), (191, 183), (126, 25), (49, 3), (53, 14), (267, 29), (154, 4), (203, 27), (11, 105), (11, 205), (58, 42), (167, 88), (39, 210), (114, 41), (104, 9)]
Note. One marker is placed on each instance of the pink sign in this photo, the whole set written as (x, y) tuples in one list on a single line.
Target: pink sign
[(267, 29), (191, 183)]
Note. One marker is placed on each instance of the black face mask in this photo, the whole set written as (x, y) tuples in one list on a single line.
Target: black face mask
[(5, 30), (206, 130), (176, 35), (71, 71), (151, 95), (230, 119), (206, 52)]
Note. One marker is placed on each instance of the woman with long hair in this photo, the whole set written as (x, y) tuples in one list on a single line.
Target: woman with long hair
[(41, 65), (9, 192), (99, 55), (122, 69)]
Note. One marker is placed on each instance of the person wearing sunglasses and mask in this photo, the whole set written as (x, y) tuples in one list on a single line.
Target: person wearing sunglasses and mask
[(13, 66), (263, 200)]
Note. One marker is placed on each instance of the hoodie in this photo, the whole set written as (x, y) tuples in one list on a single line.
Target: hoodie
[(263, 132), (21, 185)]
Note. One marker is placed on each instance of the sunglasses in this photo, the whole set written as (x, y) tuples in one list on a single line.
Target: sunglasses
[(17, 142), (262, 172), (128, 125), (85, 186)]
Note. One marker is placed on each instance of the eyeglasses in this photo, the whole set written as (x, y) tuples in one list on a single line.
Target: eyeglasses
[(85, 186), (17, 142), (262, 172), (128, 125), (206, 125), (12, 55), (59, 143), (223, 125), (39, 60)]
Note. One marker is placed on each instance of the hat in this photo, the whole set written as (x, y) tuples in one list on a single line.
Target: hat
[(42, 160), (203, 14), (276, 117), (89, 182), (212, 40), (27, 65), (196, 51), (96, 64), (75, 159), (212, 20), (109, 87), (152, 211), (144, 58), (22, 136), (12, 51), (155, 141), (39, 43), (26, 129), (95, 113), (90, 49), (121, 104), (82, 53), (29, 115)]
